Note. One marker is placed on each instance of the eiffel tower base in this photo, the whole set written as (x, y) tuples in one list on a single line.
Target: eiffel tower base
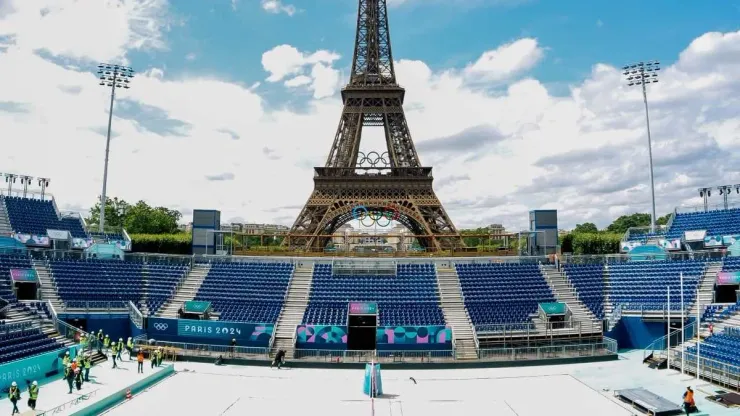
[(406, 193)]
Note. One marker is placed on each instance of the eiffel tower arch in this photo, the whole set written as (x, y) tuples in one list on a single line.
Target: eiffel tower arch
[(401, 185)]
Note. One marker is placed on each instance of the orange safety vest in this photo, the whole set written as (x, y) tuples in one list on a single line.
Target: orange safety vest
[(689, 398), (140, 358)]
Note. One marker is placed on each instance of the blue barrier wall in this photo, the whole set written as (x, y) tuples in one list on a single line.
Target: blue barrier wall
[(39, 367), (209, 332), (115, 325), (632, 332)]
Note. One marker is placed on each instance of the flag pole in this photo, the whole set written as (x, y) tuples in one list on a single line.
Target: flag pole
[(698, 336), (668, 337), (683, 334)]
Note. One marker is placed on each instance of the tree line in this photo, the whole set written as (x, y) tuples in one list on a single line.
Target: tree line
[(156, 230)]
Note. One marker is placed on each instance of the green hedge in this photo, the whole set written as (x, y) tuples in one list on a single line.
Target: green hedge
[(161, 243), (590, 243)]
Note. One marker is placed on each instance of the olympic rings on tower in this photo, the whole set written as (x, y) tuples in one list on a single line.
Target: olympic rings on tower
[(388, 212), (373, 160)]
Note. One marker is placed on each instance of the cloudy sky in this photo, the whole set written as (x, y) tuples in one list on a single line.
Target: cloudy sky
[(517, 105)]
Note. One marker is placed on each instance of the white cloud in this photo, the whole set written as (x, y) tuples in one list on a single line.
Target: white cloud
[(286, 61), (506, 61), (97, 30), (277, 6), (496, 152)]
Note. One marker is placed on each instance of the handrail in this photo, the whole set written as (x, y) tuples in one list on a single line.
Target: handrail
[(135, 315), (71, 403)]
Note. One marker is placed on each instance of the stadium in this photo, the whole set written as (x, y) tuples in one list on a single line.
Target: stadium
[(373, 301)]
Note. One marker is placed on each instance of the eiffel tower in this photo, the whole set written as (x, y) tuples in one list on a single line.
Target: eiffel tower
[(399, 184)]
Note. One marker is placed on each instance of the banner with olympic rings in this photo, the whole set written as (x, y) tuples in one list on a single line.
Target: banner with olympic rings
[(382, 217)]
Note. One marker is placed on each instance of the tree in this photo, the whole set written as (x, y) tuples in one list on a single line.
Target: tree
[(621, 224), (587, 227), (664, 219), (137, 219), (115, 213)]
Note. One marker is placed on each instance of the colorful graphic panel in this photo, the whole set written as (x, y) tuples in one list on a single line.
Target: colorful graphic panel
[(713, 241), (33, 239), (434, 336), (363, 308), (728, 278), (320, 334), (24, 275)]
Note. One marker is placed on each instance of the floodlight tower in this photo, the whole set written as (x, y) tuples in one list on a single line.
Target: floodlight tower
[(25, 181), (113, 76), (10, 178), (641, 74), (705, 193), (43, 183), (725, 191)]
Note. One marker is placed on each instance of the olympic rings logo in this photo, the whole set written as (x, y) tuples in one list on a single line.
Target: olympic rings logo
[(375, 216), (373, 160), (160, 326)]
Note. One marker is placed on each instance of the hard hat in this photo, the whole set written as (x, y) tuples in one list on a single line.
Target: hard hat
[(67, 352), (120, 339), (35, 383), (14, 384)]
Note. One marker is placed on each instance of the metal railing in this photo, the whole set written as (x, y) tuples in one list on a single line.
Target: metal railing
[(615, 316), (117, 306), (723, 374), (135, 315), (207, 350), (70, 404), (607, 347), (342, 356), (529, 329), (659, 347)]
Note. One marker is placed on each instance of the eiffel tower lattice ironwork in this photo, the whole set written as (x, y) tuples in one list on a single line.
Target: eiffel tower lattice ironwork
[(345, 185)]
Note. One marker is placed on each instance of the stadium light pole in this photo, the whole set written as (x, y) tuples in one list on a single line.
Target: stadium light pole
[(641, 74), (43, 183), (705, 193), (10, 179), (113, 76), (698, 337), (25, 181), (683, 326)]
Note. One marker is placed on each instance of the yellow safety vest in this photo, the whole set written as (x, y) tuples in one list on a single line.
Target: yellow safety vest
[(33, 391)]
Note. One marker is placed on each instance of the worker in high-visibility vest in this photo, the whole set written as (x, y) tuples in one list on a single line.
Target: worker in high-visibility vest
[(33, 394), (87, 363), (14, 394)]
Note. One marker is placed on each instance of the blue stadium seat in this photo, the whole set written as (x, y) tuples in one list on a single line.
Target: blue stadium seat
[(33, 216), (97, 283), (716, 223), (409, 298), (497, 294), (18, 343), (8, 262), (588, 280), (246, 292), (643, 285), (721, 348)]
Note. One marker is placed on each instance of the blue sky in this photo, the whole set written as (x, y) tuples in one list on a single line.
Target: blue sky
[(517, 105), (228, 41)]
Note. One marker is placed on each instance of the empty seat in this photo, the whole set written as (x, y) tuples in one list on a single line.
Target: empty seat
[(716, 223), (247, 292), (505, 293), (408, 298), (643, 285), (34, 216), (590, 285)]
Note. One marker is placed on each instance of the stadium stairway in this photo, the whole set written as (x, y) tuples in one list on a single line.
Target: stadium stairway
[(5, 228), (296, 301), (705, 291), (453, 307), (48, 286), (186, 291), (564, 292)]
